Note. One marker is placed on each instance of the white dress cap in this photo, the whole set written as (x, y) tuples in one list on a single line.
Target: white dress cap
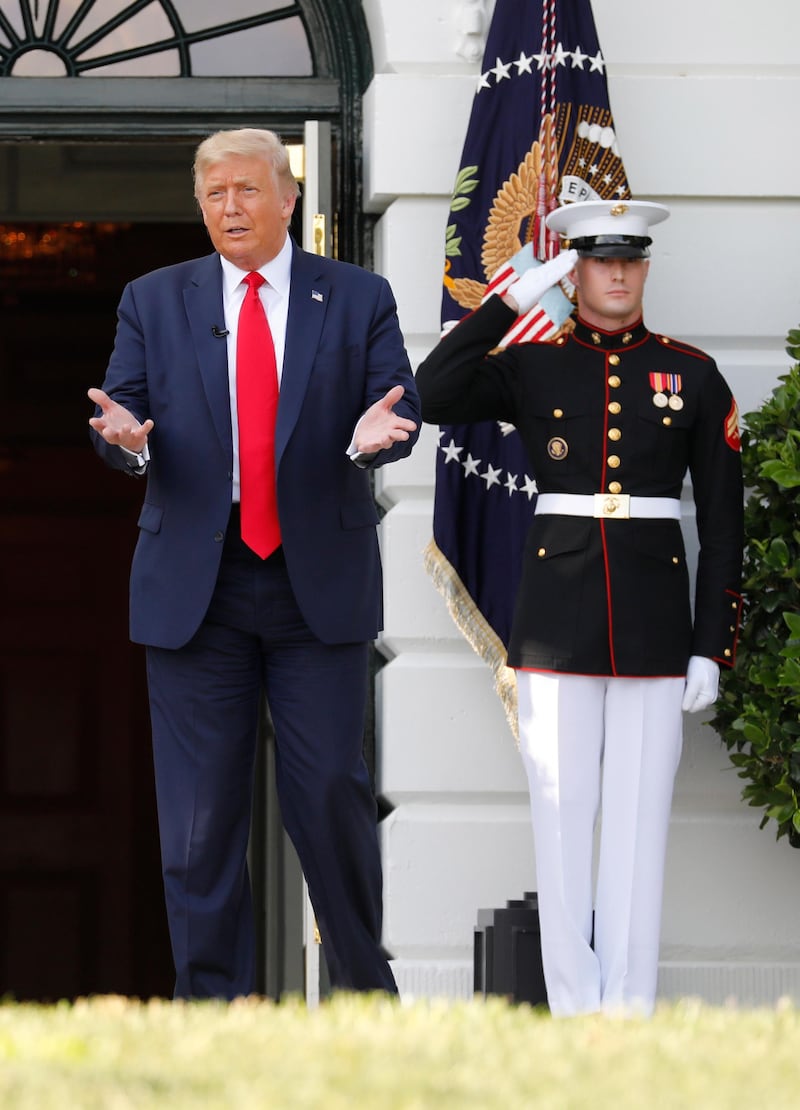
[(607, 226)]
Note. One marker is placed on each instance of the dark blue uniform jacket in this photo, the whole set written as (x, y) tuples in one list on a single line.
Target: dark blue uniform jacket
[(626, 412)]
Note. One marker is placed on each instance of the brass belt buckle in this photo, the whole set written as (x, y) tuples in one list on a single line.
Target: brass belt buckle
[(612, 506)]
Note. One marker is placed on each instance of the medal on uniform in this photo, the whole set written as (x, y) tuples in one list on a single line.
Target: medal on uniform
[(658, 384), (675, 399), (666, 390)]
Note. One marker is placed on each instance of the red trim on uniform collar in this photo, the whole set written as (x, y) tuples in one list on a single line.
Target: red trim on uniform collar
[(600, 340)]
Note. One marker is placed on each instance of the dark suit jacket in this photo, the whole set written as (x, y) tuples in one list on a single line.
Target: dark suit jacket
[(609, 597), (344, 350)]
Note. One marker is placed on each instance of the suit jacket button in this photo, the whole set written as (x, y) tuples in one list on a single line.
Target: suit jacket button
[(219, 537)]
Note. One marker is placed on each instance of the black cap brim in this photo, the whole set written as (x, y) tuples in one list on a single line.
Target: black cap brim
[(612, 246)]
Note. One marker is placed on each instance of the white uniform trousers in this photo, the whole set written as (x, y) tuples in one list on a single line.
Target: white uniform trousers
[(609, 747)]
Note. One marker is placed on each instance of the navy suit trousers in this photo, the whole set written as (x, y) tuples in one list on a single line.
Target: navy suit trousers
[(204, 700)]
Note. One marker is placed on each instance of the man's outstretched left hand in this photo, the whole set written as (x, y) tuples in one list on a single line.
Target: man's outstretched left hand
[(380, 426)]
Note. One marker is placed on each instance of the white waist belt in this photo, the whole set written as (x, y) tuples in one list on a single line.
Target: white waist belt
[(609, 506)]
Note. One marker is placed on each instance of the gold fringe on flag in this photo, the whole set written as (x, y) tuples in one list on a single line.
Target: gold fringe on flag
[(475, 629)]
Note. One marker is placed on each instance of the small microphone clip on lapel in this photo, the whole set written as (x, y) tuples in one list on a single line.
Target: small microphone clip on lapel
[(218, 333)]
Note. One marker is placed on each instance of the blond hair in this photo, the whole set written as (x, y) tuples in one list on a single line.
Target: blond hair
[(247, 142)]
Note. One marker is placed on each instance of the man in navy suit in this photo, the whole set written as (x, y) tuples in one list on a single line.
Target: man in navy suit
[(223, 625)]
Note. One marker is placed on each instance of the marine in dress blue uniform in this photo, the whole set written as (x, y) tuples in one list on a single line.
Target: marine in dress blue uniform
[(607, 648)]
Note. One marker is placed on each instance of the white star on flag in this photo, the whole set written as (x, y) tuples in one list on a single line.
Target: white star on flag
[(451, 451), (491, 476), (560, 56), (501, 71), (529, 487)]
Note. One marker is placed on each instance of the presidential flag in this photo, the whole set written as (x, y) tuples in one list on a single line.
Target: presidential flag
[(540, 134)]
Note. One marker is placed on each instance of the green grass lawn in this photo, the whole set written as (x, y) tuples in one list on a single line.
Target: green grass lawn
[(114, 1054)]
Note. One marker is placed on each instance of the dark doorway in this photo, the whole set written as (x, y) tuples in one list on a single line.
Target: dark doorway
[(81, 906)]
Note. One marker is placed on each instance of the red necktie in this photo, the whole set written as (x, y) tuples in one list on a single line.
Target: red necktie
[(257, 404)]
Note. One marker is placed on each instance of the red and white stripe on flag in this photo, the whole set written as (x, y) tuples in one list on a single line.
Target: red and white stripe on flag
[(534, 326)]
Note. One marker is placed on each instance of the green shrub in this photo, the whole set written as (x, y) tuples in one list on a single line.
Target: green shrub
[(758, 712)]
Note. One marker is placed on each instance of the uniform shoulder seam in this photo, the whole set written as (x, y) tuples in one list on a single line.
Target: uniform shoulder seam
[(683, 348)]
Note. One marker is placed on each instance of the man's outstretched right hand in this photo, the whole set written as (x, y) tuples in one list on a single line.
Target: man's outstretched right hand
[(116, 425)]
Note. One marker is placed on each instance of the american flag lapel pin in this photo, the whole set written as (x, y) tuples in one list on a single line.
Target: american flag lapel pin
[(316, 295)]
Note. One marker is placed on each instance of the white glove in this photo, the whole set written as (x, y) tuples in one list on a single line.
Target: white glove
[(534, 283), (702, 684)]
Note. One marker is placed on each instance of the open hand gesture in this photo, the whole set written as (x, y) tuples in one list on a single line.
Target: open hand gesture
[(380, 426), (116, 425)]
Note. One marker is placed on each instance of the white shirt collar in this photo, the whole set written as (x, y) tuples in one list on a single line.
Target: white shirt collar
[(277, 272)]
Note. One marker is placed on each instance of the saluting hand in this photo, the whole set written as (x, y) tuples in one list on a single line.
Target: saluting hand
[(116, 425), (380, 426), (528, 289)]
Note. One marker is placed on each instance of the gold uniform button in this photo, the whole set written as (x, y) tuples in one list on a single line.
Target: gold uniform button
[(614, 381), (558, 413), (614, 433), (615, 408), (666, 420), (615, 487), (727, 653), (613, 461), (732, 628), (614, 360), (734, 605), (542, 552), (675, 559)]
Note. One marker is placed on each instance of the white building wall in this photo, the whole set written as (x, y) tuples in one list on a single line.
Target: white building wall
[(705, 95)]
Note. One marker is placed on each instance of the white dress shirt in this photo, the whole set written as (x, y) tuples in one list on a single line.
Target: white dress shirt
[(274, 294)]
